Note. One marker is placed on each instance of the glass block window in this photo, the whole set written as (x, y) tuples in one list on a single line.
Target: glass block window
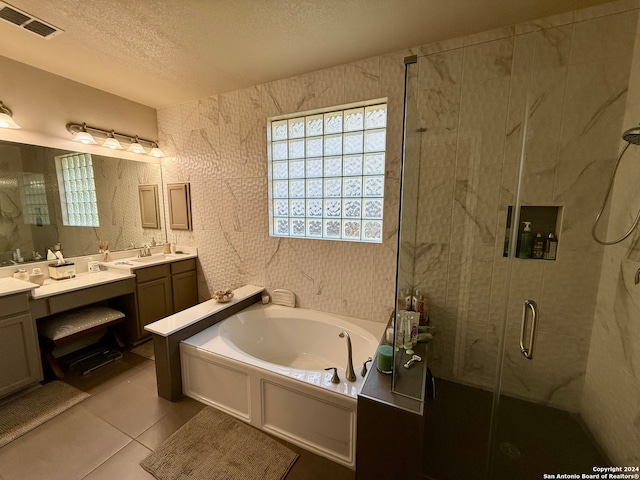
[(77, 190), (34, 199), (326, 173)]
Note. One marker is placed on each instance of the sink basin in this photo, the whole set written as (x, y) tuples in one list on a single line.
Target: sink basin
[(152, 258)]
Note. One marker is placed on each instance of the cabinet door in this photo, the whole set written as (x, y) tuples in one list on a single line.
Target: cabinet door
[(19, 356), (185, 290), (154, 301)]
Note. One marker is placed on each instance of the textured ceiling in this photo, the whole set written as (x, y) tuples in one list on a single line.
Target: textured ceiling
[(164, 52)]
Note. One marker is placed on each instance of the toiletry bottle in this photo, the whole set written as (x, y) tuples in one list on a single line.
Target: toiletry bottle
[(526, 241), (418, 303), (538, 246), (551, 248), (408, 301)]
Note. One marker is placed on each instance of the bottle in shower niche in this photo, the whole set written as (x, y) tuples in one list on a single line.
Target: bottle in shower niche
[(526, 241), (418, 303), (538, 246), (551, 247)]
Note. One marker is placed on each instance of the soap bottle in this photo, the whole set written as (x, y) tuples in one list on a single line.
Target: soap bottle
[(551, 248), (418, 304), (526, 241), (538, 246)]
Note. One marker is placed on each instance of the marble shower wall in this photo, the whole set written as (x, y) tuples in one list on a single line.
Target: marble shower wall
[(218, 144), (573, 71), (612, 383)]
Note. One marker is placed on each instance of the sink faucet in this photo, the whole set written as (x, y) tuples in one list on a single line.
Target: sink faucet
[(145, 251), (351, 375)]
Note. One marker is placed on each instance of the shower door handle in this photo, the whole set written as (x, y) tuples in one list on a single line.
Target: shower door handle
[(527, 351)]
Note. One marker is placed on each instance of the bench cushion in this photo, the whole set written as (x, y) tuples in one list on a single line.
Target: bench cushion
[(68, 323)]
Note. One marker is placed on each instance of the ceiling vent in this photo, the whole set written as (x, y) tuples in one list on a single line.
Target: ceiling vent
[(30, 23)]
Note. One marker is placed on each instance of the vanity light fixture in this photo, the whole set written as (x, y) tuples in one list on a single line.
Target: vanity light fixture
[(156, 152), (83, 136), (114, 140), (135, 146), (6, 120)]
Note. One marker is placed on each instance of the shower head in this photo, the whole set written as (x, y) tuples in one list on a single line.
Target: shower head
[(632, 135)]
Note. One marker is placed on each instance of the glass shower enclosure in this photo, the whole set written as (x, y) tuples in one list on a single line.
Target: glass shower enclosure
[(536, 350)]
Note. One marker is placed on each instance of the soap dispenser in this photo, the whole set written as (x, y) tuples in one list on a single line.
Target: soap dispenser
[(526, 241)]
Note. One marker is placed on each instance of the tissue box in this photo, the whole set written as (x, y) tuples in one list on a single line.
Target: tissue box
[(62, 271)]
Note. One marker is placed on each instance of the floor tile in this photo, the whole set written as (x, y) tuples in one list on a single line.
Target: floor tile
[(66, 447), (130, 405), (124, 465), (181, 412)]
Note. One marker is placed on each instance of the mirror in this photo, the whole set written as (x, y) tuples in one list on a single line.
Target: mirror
[(50, 196)]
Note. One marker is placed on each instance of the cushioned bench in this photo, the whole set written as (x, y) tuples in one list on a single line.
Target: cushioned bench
[(67, 327)]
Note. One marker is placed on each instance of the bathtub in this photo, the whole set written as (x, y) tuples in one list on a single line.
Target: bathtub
[(265, 365)]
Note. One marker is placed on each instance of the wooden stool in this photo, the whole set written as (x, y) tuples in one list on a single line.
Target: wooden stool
[(67, 327)]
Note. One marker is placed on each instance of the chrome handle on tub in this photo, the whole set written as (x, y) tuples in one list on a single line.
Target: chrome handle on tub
[(335, 378), (527, 352)]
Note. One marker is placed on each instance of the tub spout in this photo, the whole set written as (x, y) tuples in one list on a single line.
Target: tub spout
[(351, 375)]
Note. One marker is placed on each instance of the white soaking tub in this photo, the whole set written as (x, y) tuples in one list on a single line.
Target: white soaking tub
[(265, 365)]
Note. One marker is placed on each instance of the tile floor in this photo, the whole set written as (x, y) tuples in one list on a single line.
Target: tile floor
[(108, 434)]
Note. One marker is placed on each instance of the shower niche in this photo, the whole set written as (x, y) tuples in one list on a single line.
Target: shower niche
[(545, 220)]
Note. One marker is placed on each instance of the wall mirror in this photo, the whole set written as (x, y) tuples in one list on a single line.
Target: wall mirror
[(50, 196)]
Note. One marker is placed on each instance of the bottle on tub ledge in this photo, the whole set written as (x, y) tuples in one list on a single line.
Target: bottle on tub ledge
[(419, 306)]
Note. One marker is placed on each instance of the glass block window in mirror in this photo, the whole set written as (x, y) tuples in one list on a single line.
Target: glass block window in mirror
[(34, 199), (77, 190), (326, 173)]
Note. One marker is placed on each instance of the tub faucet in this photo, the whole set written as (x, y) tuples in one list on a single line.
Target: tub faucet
[(351, 375)]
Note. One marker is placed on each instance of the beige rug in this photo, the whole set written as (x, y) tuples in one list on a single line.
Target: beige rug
[(215, 446), (28, 411), (145, 350)]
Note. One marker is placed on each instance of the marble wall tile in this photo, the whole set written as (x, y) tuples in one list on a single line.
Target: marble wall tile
[(490, 35), (274, 99), (443, 46), (430, 275), (435, 205), (362, 80), (317, 89)]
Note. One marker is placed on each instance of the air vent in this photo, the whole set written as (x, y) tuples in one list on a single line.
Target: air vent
[(28, 22)]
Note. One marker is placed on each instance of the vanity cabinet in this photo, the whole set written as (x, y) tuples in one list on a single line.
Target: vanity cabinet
[(161, 290), (19, 355)]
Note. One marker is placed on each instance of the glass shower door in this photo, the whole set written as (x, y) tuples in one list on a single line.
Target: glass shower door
[(569, 130)]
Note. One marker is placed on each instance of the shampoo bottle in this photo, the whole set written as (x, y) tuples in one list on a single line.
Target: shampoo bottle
[(408, 300), (526, 241), (551, 248), (538, 246)]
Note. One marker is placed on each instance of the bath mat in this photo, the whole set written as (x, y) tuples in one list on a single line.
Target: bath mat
[(215, 446), (28, 411), (145, 350)]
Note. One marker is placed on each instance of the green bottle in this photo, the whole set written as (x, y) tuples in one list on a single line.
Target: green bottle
[(526, 241)]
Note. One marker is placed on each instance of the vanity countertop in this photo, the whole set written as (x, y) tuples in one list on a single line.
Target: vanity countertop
[(10, 285), (80, 281), (133, 263)]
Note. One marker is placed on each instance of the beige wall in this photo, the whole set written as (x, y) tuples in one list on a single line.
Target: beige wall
[(43, 104)]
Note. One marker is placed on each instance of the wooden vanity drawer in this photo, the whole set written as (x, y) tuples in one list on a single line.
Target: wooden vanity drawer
[(12, 304), (183, 266), (152, 273)]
